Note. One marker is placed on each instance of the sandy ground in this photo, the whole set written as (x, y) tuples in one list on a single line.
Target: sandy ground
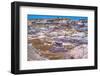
[(33, 54), (79, 52)]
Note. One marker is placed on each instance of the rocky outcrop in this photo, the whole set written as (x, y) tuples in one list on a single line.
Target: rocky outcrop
[(57, 39), (79, 52)]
